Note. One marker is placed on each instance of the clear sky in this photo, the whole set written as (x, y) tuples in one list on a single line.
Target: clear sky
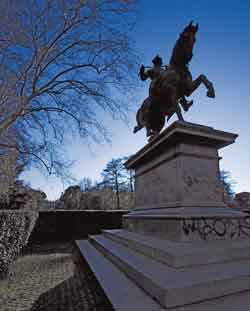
[(222, 52)]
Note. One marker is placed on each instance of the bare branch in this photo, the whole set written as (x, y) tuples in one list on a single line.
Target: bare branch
[(53, 109), (63, 66)]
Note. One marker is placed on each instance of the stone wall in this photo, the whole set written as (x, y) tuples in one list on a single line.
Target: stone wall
[(66, 225)]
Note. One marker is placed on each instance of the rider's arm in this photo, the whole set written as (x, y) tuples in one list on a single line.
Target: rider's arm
[(144, 75)]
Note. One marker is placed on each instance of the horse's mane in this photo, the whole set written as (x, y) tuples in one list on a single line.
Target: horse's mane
[(179, 58)]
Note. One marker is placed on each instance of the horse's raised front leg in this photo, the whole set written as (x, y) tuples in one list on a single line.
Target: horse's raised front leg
[(197, 82)]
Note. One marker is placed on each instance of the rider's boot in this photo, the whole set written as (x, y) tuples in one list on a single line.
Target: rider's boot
[(137, 128), (148, 132)]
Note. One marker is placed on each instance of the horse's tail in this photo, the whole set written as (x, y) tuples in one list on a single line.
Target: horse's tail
[(139, 126)]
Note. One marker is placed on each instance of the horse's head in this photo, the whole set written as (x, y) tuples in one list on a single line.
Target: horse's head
[(183, 50), (188, 39)]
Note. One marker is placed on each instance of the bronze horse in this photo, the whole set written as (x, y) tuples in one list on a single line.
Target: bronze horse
[(171, 86)]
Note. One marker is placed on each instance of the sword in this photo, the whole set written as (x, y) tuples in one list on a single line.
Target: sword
[(150, 67), (163, 66)]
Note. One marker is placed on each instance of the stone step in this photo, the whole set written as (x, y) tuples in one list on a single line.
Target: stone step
[(173, 287), (122, 292), (182, 254)]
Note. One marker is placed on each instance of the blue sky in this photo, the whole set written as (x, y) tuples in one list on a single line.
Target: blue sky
[(222, 52)]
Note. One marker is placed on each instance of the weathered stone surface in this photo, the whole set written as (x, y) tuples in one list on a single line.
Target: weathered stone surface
[(122, 292), (182, 254), (189, 224), (182, 244), (173, 287), (180, 167), (125, 294)]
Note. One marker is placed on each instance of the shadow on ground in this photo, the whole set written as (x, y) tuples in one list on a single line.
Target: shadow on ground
[(80, 292), (48, 277)]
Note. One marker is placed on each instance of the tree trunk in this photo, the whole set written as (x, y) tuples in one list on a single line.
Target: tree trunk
[(131, 181), (5, 124), (117, 193)]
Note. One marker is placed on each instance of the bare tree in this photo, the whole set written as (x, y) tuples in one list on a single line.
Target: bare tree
[(130, 180), (86, 184), (62, 63)]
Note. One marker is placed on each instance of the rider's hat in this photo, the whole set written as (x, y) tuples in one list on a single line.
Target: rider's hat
[(157, 60)]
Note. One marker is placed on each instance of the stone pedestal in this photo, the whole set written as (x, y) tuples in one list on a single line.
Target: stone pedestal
[(180, 168), (178, 193), (182, 245)]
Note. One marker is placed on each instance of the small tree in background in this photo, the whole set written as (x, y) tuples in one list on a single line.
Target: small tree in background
[(114, 176), (129, 177), (228, 183), (114, 191), (86, 184)]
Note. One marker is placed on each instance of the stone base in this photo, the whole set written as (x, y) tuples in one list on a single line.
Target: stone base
[(182, 254), (174, 275), (182, 248), (180, 168), (189, 224), (180, 258)]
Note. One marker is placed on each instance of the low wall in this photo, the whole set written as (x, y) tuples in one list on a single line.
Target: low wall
[(67, 225)]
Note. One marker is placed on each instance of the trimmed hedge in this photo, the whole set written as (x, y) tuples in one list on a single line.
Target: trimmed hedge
[(15, 229), (68, 225)]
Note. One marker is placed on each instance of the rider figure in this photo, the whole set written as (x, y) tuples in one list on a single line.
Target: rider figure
[(154, 74)]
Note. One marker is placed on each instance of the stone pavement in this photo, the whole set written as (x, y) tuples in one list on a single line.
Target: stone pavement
[(47, 280)]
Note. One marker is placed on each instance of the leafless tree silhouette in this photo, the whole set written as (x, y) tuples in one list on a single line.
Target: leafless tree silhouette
[(62, 64)]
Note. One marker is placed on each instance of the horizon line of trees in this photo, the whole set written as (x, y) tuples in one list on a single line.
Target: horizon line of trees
[(114, 191), (117, 181)]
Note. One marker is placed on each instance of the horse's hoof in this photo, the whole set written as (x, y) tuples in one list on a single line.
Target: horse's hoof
[(211, 94)]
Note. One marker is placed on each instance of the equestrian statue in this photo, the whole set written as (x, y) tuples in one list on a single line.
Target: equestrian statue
[(169, 86)]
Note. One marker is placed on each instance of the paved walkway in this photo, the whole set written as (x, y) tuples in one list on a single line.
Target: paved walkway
[(45, 281)]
